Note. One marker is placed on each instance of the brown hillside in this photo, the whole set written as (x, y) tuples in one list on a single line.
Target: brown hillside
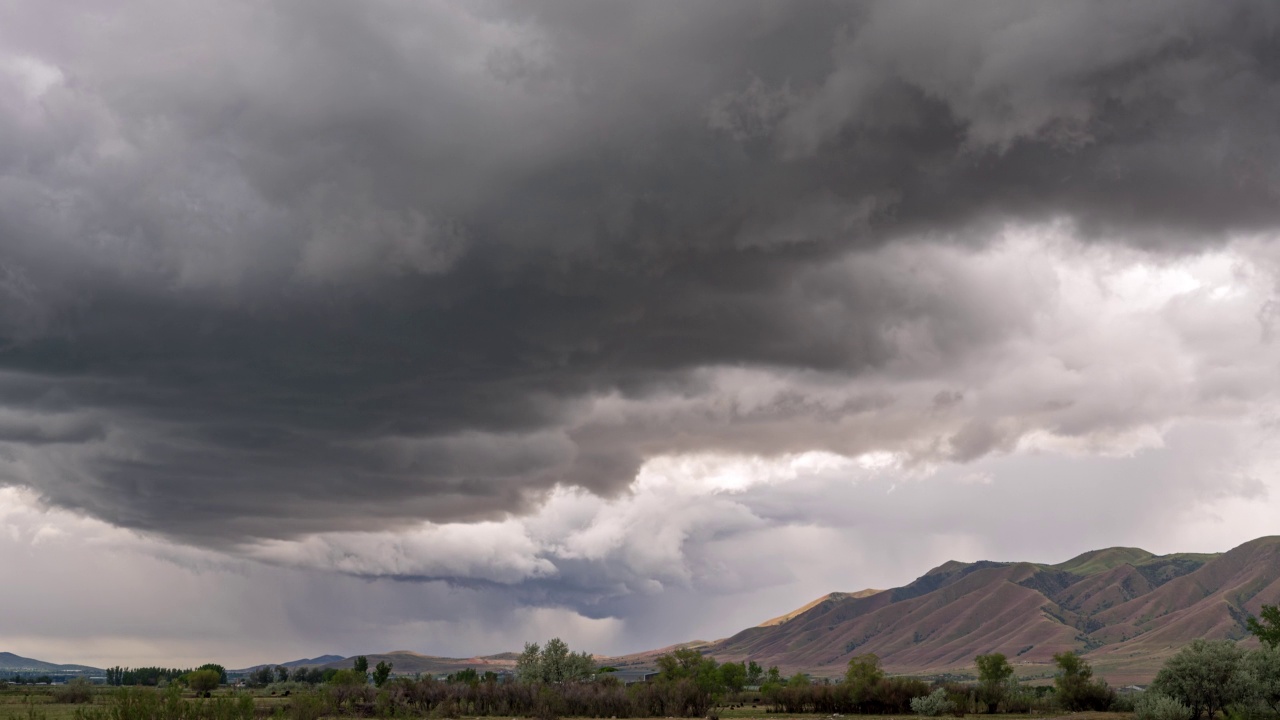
[(1124, 608), (810, 605)]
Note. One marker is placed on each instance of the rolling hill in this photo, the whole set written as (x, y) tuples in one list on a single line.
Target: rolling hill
[(406, 662), (17, 664), (1126, 609)]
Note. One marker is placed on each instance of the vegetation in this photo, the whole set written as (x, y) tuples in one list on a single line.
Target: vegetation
[(78, 690), (1267, 629), (1206, 676), (1153, 705), (995, 678), (1206, 679), (934, 704), (553, 663), (120, 676), (1076, 688)]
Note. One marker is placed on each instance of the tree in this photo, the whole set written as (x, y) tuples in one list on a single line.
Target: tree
[(553, 663), (863, 676), (1075, 687), (529, 664), (689, 664), (1263, 665), (282, 674), (994, 675), (348, 678), (203, 681), (361, 664), (733, 676), (261, 677), (754, 673), (1206, 676), (1268, 630), (381, 673), (222, 672)]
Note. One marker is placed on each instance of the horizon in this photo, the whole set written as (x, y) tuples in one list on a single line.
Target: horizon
[(516, 649), (328, 327)]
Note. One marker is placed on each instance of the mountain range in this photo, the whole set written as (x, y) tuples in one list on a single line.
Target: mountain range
[(17, 664), (406, 662), (1125, 609)]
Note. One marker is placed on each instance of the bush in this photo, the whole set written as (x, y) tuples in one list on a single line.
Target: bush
[(1152, 705), (1075, 687), (934, 704), (203, 681), (1206, 676), (1124, 702), (77, 691), (306, 706)]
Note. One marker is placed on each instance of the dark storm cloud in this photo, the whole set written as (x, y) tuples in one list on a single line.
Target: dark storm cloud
[(300, 266)]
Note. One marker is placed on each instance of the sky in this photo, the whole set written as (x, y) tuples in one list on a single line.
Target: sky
[(334, 327)]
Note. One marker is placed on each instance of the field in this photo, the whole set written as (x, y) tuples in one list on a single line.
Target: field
[(21, 703)]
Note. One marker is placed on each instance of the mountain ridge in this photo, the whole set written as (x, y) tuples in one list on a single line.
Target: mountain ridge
[(9, 662), (1125, 609)]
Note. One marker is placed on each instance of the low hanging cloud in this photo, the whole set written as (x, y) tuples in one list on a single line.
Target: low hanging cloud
[(338, 286)]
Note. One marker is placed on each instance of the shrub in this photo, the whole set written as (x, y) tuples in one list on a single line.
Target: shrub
[(77, 691), (1075, 687), (203, 681), (1206, 676), (306, 706), (934, 704), (1152, 705)]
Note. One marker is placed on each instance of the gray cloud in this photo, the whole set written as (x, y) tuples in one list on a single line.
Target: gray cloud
[(284, 269)]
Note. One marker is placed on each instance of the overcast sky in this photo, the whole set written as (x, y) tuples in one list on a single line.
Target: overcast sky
[(338, 327)]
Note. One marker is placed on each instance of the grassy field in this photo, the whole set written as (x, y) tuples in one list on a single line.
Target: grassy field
[(18, 703)]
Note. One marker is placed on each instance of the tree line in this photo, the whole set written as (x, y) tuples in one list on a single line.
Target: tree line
[(1203, 680), (156, 675)]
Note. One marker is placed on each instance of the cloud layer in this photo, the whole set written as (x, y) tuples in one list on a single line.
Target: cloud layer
[(475, 294)]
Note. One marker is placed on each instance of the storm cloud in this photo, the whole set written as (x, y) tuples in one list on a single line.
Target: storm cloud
[(384, 288)]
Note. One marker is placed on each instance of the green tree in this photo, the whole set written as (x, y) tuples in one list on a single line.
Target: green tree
[(466, 676), (381, 673), (349, 678), (282, 674), (733, 676), (754, 673), (361, 664), (553, 663), (1206, 676), (222, 672), (689, 664), (1268, 629), (1075, 687), (555, 660), (529, 664), (1263, 666), (862, 677), (994, 676), (261, 677), (203, 680)]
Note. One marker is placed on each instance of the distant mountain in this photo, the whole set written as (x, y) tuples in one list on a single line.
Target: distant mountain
[(305, 662), (406, 662), (16, 663), (322, 660), (1125, 609)]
